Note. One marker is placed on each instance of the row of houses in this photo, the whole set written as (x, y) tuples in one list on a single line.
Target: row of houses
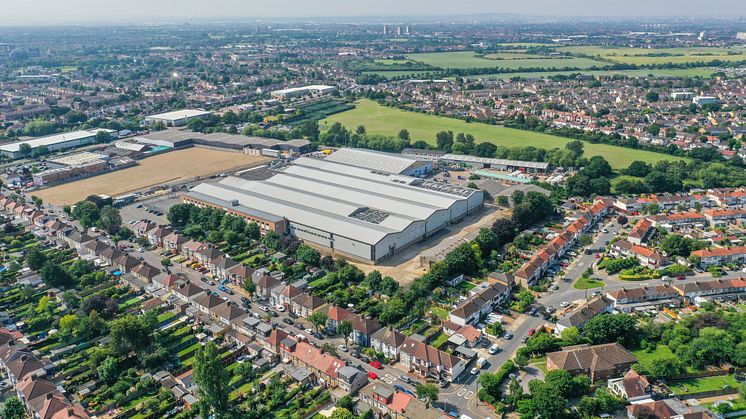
[(550, 253), (481, 301), (30, 375), (724, 197)]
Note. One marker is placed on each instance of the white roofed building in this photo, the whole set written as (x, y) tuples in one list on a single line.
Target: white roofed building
[(357, 212), (56, 142), (382, 161), (176, 118)]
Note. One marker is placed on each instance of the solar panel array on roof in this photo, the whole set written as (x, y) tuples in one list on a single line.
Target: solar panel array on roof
[(383, 162)]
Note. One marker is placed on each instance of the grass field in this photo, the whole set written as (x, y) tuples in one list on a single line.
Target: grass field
[(645, 357), (703, 384), (704, 72), (645, 56), (467, 59), (379, 119), (505, 55), (164, 168)]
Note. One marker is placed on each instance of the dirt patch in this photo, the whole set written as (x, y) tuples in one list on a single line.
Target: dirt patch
[(165, 168)]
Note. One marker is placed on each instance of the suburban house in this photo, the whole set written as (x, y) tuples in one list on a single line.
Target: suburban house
[(641, 232), (482, 300), (633, 387), (386, 402), (334, 315), (721, 289), (627, 299), (362, 329), (647, 257), (325, 367), (599, 362), (721, 255), (427, 361), (305, 304), (387, 340), (579, 317)]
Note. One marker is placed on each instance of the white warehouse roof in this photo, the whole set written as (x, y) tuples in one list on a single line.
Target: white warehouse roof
[(374, 160), (344, 200), (496, 162), (180, 114), (53, 139)]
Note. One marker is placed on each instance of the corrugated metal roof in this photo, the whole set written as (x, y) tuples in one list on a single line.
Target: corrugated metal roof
[(373, 160)]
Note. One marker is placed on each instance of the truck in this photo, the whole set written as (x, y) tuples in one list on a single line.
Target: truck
[(481, 362)]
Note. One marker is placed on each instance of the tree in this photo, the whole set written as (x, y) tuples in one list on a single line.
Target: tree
[(87, 213), (35, 258), (346, 402), (130, 334), (179, 215), (515, 391), (54, 276), (487, 241), (652, 96), (676, 245), (525, 299), (103, 137), (212, 381), (13, 409), (608, 328), (344, 328), (166, 262), (252, 231), (638, 168), (403, 135), (318, 319), (429, 392), (444, 140), (546, 402), (666, 367), (110, 219), (24, 149), (341, 413), (308, 255), (570, 335), (108, 370), (504, 229)]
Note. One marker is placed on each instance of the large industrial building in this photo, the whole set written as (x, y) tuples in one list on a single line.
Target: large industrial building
[(56, 142), (176, 118), (364, 214)]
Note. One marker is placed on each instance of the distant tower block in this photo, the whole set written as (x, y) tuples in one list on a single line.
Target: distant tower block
[(385, 30)]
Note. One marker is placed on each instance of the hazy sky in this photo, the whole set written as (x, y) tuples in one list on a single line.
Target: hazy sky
[(16, 12)]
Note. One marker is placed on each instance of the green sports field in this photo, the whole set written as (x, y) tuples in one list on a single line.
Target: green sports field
[(647, 56), (704, 72), (468, 59), (379, 119)]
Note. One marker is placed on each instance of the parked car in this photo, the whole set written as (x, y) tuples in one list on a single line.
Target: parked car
[(494, 349), (564, 304), (405, 378), (376, 365), (288, 321), (442, 383), (508, 336), (372, 375), (474, 371), (531, 331)]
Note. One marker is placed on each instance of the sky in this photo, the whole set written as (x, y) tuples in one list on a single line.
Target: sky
[(30, 12)]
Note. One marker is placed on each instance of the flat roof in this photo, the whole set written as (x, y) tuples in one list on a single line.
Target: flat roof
[(64, 137), (302, 89), (180, 114), (497, 162), (374, 160), (343, 200)]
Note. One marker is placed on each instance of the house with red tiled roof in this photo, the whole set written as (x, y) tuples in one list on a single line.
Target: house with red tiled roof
[(641, 232), (387, 402), (633, 387), (721, 255), (334, 315), (724, 216), (671, 408), (699, 291), (647, 257), (324, 366)]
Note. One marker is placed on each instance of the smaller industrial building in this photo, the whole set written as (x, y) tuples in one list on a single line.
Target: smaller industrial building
[(176, 118), (56, 142), (315, 89), (476, 161), (173, 138), (384, 162)]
